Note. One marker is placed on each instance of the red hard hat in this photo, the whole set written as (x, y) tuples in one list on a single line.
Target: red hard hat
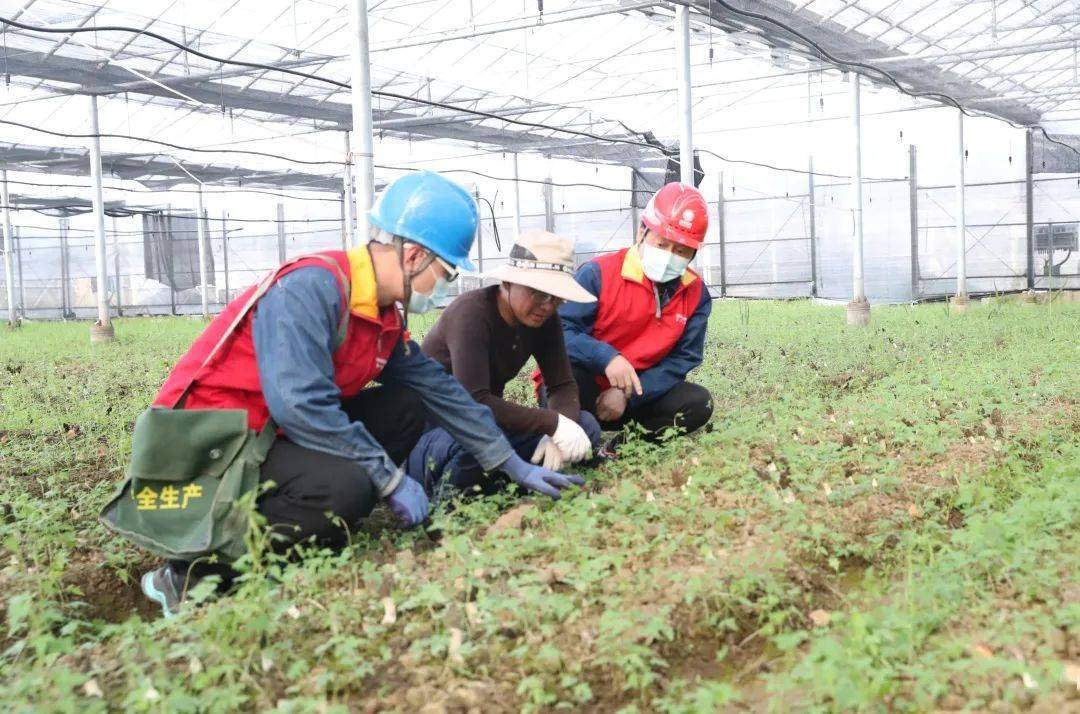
[(679, 213)]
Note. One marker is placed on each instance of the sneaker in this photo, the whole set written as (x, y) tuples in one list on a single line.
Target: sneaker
[(609, 451), (601, 454), (164, 587)]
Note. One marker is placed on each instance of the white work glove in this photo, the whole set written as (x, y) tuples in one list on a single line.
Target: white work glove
[(572, 440), (548, 453)]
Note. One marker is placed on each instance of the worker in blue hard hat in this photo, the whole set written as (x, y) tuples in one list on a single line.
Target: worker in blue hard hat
[(296, 352)]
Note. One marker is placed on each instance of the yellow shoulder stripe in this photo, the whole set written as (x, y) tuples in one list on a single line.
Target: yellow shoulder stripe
[(363, 300), (631, 266)]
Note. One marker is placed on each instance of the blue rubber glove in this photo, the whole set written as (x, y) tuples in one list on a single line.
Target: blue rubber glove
[(537, 478), (409, 502)]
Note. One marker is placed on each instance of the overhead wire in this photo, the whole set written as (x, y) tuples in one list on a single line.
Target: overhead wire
[(180, 147), (494, 221), (236, 234), (889, 77), (310, 76), (574, 184), (110, 58), (206, 192), (390, 167), (655, 145), (404, 97), (125, 212)]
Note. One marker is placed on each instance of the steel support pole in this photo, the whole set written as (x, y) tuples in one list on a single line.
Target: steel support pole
[(22, 283), (517, 200), (9, 253), (813, 230), (204, 249), (479, 238), (281, 233), (344, 222), (1050, 261), (913, 220), (858, 285), (102, 330), (549, 206), (347, 197), (65, 272), (682, 67), (116, 267), (1029, 198), (960, 299), (720, 220), (170, 263), (361, 116), (859, 308), (225, 255)]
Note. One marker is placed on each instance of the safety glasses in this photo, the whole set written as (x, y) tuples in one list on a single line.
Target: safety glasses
[(540, 298), (451, 271)]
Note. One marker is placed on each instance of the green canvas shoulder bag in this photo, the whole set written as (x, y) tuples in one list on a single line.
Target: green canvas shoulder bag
[(190, 467)]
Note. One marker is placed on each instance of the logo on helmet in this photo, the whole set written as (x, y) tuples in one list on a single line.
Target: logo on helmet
[(687, 219)]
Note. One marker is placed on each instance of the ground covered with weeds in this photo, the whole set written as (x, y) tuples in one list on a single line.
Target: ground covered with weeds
[(879, 519)]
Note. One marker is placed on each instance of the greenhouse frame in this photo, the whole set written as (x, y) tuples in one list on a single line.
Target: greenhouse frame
[(159, 158)]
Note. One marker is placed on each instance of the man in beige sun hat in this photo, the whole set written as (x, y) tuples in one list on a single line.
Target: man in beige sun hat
[(484, 338)]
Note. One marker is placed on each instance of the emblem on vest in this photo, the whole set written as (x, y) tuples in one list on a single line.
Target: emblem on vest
[(680, 319)]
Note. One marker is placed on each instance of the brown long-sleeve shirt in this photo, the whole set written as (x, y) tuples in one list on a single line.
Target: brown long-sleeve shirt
[(473, 342)]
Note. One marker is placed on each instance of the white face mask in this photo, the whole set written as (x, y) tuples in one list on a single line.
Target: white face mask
[(420, 303), (659, 265)]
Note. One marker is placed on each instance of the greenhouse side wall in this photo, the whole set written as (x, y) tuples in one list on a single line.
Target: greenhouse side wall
[(768, 245)]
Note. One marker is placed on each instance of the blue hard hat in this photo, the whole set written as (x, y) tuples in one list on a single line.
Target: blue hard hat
[(432, 211)]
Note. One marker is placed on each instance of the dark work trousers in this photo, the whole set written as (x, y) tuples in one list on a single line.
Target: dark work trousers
[(309, 484), (685, 405), (443, 466)]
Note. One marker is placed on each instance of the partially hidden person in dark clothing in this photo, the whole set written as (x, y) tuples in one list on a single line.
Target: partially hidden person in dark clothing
[(632, 349), (484, 338)]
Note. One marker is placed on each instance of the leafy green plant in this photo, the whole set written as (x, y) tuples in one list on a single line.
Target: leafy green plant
[(847, 536)]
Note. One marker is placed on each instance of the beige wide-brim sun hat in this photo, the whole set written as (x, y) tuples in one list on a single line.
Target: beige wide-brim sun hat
[(543, 261)]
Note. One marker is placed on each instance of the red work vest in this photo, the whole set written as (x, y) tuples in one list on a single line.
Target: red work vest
[(231, 379), (626, 312)]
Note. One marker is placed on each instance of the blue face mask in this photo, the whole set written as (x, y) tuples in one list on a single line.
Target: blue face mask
[(659, 265), (420, 303)]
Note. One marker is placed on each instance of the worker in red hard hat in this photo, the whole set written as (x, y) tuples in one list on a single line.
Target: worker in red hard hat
[(631, 350)]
